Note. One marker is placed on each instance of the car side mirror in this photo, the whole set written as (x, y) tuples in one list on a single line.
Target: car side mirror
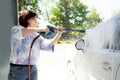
[(80, 44)]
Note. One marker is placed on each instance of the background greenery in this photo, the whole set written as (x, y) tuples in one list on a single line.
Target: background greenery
[(67, 13)]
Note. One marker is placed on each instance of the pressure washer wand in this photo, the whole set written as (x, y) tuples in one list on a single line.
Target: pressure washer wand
[(73, 30), (52, 29), (52, 32)]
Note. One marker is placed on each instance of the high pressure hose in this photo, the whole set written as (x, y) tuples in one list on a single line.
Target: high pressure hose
[(30, 55)]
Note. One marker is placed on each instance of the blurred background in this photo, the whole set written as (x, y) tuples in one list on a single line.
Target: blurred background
[(73, 14)]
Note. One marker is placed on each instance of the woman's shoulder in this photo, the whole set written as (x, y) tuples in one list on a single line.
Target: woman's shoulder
[(17, 27)]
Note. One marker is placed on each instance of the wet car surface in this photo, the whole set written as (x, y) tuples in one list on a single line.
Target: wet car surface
[(97, 55)]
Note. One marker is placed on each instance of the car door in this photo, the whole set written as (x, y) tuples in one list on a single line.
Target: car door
[(104, 64), (116, 58), (97, 64), (100, 64), (118, 74)]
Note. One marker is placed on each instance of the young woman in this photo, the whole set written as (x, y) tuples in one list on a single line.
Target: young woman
[(21, 39)]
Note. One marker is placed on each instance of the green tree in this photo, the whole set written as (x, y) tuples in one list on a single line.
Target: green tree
[(73, 14), (29, 4), (58, 14), (45, 6), (93, 19), (78, 12), (69, 13)]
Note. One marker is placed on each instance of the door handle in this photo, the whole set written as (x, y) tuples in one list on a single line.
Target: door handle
[(106, 66)]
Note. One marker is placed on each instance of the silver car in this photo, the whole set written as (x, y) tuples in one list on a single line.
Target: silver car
[(97, 54)]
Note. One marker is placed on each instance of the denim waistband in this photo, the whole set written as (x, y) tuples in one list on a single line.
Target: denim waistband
[(11, 64)]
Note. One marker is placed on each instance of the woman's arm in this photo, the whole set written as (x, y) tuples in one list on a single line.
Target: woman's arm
[(48, 44), (26, 31), (58, 35)]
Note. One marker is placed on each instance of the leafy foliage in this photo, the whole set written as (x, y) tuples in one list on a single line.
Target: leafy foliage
[(93, 19), (74, 14), (67, 13), (29, 4)]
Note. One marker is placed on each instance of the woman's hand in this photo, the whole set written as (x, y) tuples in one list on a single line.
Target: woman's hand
[(59, 30)]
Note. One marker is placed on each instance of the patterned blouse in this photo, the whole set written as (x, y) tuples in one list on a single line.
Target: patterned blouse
[(20, 47)]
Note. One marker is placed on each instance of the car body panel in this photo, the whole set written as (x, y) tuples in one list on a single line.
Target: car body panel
[(90, 65), (99, 59)]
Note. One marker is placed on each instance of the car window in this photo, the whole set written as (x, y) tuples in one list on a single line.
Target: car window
[(116, 39), (105, 35)]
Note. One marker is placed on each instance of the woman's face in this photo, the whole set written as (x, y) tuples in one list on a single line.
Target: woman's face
[(32, 22)]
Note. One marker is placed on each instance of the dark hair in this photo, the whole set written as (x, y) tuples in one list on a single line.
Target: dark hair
[(25, 16)]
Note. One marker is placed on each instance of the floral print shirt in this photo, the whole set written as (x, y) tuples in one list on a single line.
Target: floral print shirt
[(20, 47)]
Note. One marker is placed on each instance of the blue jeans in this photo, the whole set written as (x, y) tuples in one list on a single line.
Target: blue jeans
[(21, 73)]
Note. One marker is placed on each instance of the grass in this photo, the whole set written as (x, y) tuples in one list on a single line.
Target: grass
[(65, 42)]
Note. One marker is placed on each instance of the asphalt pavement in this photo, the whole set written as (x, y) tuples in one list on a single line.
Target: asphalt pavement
[(53, 65)]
